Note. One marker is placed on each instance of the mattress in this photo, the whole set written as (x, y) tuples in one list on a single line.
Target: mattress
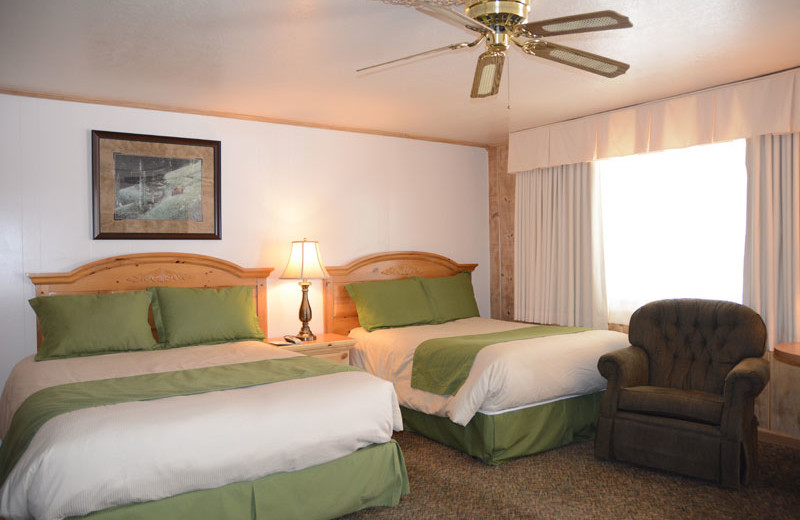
[(504, 377), (101, 457)]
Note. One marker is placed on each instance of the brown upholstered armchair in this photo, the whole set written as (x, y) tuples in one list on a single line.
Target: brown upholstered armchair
[(681, 397)]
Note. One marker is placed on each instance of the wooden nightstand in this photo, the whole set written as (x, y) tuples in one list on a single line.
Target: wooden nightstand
[(333, 347)]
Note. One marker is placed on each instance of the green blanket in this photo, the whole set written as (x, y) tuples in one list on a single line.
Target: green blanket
[(441, 365), (45, 404)]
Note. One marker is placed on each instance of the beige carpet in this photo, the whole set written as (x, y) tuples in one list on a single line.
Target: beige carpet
[(570, 483)]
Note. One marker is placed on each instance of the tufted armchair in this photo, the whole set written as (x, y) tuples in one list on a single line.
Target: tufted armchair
[(681, 397)]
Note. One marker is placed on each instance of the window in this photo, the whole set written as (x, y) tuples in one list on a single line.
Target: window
[(673, 225)]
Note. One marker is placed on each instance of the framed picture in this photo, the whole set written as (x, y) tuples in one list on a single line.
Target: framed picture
[(152, 187)]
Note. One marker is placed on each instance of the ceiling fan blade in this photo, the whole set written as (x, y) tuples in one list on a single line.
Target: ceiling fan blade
[(597, 21), (443, 12), (575, 58), (450, 47), (487, 74)]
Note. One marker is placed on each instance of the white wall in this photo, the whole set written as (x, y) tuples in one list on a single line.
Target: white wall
[(355, 193)]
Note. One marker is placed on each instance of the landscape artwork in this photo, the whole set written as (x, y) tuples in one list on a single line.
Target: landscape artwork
[(155, 187)]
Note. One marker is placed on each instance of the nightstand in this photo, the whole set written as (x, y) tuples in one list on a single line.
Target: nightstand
[(333, 347)]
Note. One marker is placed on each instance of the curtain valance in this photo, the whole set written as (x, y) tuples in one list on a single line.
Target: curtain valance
[(768, 105)]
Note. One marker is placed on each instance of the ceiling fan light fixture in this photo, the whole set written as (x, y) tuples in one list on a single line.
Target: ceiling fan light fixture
[(487, 74)]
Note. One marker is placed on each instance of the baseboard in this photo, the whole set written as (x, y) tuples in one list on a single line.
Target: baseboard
[(778, 438)]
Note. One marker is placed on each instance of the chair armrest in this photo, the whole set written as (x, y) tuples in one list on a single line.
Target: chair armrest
[(742, 385), (746, 380), (625, 367), (622, 368)]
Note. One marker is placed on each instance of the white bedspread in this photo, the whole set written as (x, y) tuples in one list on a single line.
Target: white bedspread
[(102, 457), (504, 377)]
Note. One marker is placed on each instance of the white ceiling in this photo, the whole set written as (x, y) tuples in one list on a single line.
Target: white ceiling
[(295, 60)]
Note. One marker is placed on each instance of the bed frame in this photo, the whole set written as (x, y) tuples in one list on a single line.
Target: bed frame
[(340, 312), (139, 271), (492, 438)]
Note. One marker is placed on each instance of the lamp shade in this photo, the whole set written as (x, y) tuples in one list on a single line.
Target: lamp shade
[(304, 261)]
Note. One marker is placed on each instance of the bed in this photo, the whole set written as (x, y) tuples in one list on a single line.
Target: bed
[(516, 397), (175, 429)]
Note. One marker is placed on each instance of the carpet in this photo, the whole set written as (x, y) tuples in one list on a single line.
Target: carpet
[(569, 482)]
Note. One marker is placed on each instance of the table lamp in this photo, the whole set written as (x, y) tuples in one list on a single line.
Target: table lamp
[(304, 263)]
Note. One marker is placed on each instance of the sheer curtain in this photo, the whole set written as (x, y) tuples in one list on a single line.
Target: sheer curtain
[(772, 247), (558, 267)]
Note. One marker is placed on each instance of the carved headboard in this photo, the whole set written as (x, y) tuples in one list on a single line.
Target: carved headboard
[(139, 271), (340, 311)]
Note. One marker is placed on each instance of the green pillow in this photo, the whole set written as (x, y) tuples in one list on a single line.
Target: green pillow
[(90, 324), (390, 303), (451, 297), (192, 316)]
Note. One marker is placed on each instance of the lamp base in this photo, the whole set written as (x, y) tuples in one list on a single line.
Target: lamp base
[(305, 333)]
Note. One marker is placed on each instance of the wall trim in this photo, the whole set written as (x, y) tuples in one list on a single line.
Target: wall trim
[(231, 115)]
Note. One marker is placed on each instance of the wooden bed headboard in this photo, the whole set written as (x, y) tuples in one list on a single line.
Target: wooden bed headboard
[(340, 311), (139, 271)]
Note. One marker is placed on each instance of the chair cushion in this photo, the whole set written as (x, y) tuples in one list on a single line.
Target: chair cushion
[(690, 405)]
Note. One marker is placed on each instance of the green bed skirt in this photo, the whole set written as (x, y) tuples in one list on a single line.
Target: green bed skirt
[(498, 438), (372, 476)]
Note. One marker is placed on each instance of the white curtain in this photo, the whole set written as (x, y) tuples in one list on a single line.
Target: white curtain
[(558, 267), (772, 248)]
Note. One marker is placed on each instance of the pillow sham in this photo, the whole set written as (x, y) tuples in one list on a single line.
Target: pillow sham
[(451, 297), (193, 316), (74, 325), (390, 303)]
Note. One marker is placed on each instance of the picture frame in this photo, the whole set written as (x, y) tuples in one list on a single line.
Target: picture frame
[(155, 187)]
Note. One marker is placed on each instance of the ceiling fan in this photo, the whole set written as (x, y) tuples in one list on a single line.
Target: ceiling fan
[(503, 22)]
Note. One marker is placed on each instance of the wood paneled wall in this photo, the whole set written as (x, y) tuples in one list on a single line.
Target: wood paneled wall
[(501, 233), (778, 406)]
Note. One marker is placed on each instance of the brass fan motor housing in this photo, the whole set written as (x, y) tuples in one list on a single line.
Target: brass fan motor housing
[(497, 42), (499, 14)]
